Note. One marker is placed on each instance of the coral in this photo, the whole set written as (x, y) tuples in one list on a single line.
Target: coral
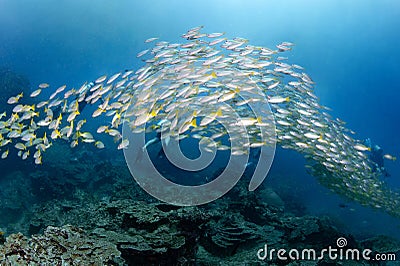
[(58, 246), (225, 235), (382, 244), (113, 222), (156, 232), (301, 227), (133, 232)]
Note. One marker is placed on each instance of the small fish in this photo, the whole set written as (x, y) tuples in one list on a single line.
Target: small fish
[(113, 78), (113, 132), (126, 74), (25, 155), (99, 144), (61, 89), (42, 104), (18, 108), (28, 137), (150, 40), (247, 121), (69, 93), (102, 129), (4, 155), (74, 143), (43, 85), (88, 140), (55, 134), (15, 99), (216, 41), (361, 147), (304, 112), (283, 123), (36, 93), (228, 96), (86, 135), (389, 157), (274, 85), (80, 124), (257, 144), (278, 99), (302, 145), (37, 154), (72, 116), (311, 135), (142, 53), (215, 34), (238, 152), (38, 160), (53, 95), (20, 146), (101, 79), (98, 112), (124, 144), (44, 123)]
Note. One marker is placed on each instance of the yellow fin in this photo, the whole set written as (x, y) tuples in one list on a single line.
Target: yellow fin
[(153, 113), (193, 123)]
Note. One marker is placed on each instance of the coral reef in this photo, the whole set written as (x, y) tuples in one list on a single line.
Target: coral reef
[(102, 217), (127, 231)]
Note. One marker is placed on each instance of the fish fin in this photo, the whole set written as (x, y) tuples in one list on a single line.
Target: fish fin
[(219, 112), (193, 123), (153, 113)]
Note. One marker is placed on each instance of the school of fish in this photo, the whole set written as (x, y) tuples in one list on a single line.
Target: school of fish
[(188, 90)]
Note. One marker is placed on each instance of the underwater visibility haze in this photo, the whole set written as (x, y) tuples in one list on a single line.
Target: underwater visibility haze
[(96, 95)]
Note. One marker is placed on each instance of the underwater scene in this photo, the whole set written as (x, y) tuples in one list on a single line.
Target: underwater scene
[(258, 132)]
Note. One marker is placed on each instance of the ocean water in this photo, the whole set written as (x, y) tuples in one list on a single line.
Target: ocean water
[(349, 49)]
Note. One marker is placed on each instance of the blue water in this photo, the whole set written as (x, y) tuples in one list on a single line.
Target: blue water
[(349, 48)]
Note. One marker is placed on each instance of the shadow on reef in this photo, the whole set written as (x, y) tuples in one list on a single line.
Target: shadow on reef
[(104, 218)]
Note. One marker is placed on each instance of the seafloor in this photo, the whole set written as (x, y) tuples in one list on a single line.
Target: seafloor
[(80, 211)]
